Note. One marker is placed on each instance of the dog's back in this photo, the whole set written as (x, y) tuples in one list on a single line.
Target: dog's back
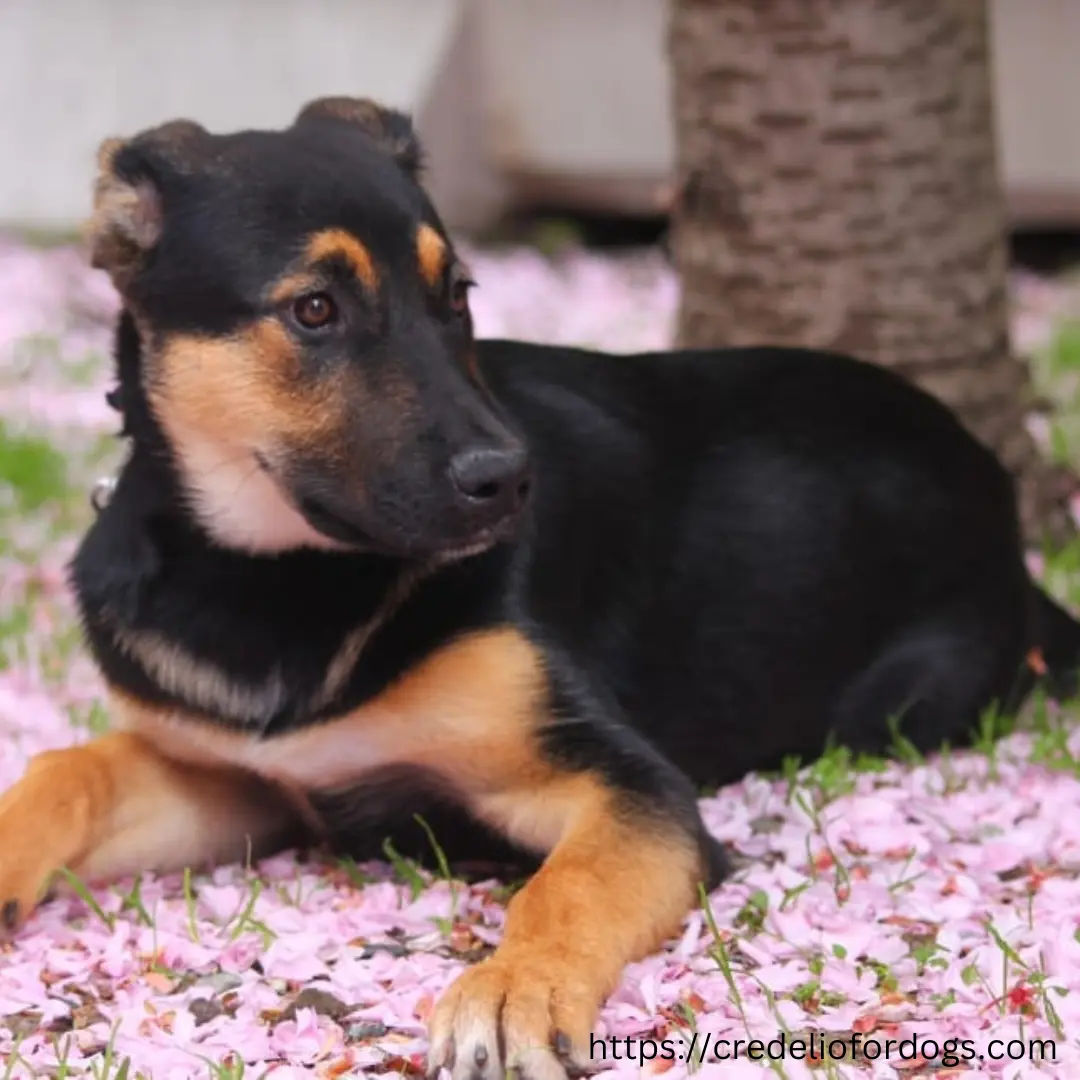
[(763, 549)]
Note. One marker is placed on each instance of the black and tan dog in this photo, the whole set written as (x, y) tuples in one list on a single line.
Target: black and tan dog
[(359, 566)]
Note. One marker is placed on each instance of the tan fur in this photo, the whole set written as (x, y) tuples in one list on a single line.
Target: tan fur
[(339, 244), (293, 286), (615, 884), (238, 386), (116, 806), (466, 712), (221, 401), (431, 255), (614, 887)]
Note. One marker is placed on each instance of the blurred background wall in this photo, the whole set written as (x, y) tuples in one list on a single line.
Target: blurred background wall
[(559, 103)]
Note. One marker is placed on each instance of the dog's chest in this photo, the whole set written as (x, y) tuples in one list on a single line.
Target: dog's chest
[(299, 760), (286, 668), (256, 652)]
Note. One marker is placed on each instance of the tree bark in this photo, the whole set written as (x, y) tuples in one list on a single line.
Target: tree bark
[(837, 187)]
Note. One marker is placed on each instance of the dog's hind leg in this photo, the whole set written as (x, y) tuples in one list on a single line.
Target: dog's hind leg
[(115, 806), (934, 683)]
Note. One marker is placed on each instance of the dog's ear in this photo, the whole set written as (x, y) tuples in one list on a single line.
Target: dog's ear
[(391, 129), (129, 194)]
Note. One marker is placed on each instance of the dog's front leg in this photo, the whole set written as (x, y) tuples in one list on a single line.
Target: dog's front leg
[(629, 856), (616, 886), (551, 768), (115, 806)]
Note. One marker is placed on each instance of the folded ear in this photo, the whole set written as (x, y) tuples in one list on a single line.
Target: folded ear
[(390, 128), (129, 211)]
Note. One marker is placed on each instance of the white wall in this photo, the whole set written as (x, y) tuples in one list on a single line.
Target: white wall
[(515, 98), (75, 71)]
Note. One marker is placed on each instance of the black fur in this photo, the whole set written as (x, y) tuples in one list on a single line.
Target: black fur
[(728, 557)]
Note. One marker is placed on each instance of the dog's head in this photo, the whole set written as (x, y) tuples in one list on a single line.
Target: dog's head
[(305, 341)]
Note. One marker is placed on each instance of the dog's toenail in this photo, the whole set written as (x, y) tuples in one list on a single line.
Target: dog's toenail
[(562, 1044), (9, 914), (481, 1056)]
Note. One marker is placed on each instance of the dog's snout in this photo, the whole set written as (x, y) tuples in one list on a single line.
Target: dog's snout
[(492, 483)]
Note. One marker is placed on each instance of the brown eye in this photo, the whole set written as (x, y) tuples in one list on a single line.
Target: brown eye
[(459, 294), (315, 311)]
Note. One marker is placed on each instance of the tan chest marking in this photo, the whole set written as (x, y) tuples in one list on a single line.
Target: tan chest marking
[(468, 713)]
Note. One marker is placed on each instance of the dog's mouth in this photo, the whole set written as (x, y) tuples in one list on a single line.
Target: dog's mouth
[(335, 526), (483, 542)]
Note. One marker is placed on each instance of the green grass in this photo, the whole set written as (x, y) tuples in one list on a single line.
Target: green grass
[(33, 473), (45, 491), (1062, 356), (1055, 372)]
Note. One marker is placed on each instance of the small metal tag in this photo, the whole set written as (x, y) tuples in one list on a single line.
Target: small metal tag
[(102, 492)]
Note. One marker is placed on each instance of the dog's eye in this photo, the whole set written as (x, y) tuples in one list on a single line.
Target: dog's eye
[(315, 311), (459, 294)]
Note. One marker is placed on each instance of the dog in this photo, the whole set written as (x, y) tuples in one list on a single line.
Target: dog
[(359, 566)]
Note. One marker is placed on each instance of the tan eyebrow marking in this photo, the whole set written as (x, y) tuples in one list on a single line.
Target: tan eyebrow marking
[(291, 286), (430, 254), (337, 243)]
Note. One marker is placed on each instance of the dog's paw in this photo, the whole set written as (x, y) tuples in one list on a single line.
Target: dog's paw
[(522, 1013), (25, 874), (35, 834)]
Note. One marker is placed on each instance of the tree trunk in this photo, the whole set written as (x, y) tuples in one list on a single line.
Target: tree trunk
[(837, 187)]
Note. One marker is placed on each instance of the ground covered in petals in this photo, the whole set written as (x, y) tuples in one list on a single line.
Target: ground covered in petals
[(920, 917)]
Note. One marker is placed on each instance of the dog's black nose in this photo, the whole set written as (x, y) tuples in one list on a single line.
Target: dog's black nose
[(493, 484)]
